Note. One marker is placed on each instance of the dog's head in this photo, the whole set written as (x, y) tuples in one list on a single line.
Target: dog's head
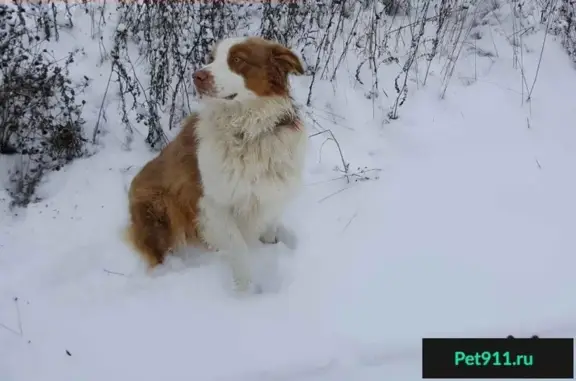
[(246, 68)]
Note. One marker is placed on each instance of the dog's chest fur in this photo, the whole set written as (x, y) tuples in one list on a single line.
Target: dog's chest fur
[(248, 160)]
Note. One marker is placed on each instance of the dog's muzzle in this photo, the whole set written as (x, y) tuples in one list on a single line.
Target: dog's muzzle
[(204, 82)]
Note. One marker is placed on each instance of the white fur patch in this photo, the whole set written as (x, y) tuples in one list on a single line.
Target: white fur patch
[(226, 82), (250, 170)]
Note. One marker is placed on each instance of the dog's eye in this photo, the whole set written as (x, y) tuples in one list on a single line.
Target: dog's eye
[(236, 60)]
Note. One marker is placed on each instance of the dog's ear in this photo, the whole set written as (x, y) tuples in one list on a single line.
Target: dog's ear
[(287, 60)]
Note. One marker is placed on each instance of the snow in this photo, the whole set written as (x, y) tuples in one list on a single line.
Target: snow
[(465, 228)]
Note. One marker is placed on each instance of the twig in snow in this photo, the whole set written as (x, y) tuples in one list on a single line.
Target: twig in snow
[(19, 317), (114, 273), (360, 175), (539, 60), (10, 329), (333, 194), (402, 91), (538, 164), (333, 138), (20, 331), (350, 221), (96, 128)]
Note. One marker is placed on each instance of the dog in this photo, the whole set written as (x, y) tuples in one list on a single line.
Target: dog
[(225, 180)]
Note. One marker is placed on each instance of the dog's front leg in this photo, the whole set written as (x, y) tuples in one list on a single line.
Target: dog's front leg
[(221, 232)]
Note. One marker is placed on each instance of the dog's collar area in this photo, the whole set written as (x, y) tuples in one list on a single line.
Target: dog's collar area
[(288, 120)]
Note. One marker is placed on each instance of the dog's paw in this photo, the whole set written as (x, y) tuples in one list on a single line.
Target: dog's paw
[(288, 237), (269, 241), (269, 238), (247, 287)]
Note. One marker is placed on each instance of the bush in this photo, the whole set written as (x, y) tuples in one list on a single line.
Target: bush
[(40, 117), (174, 38), (565, 25)]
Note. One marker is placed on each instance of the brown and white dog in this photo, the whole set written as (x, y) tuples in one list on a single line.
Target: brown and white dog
[(225, 180)]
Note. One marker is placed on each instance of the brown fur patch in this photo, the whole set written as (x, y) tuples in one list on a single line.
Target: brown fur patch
[(163, 198), (265, 66)]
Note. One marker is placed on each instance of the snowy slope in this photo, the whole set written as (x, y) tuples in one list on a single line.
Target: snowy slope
[(465, 227)]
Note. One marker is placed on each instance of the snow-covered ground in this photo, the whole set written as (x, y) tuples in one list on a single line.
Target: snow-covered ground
[(464, 227)]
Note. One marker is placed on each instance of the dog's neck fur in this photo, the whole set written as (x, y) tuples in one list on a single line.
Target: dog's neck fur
[(250, 119)]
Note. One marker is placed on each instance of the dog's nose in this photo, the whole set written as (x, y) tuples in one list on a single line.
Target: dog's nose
[(203, 81), (200, 76)]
